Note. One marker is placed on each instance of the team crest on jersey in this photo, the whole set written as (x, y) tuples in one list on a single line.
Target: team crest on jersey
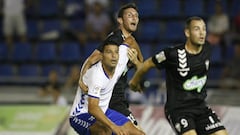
[(207, 64), (160, 57), (96, 90), (182, 59)]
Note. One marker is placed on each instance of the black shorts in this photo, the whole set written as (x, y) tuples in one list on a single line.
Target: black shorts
[(122, 107), (204, 120)]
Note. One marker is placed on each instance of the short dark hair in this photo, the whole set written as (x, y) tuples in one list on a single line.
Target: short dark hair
[(126, 6), (108, 42), (190, 19)]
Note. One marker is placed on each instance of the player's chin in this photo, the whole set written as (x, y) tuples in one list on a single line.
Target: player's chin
[(201, 42), (133, 28), (114, 64)]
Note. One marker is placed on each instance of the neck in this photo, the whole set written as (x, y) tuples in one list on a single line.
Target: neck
[(125, 32), (109, 71), (193, 48)]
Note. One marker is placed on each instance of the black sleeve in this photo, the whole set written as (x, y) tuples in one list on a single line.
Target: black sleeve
[(160, 58), (113, 38)]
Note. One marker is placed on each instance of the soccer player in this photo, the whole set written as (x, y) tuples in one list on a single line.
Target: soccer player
[(90, 113), (186, 67), (128, 20)]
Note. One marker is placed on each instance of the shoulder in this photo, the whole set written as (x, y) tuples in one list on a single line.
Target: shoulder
[(167, 53), (115, 36), (172, 50), (96, 73), (95, 69)]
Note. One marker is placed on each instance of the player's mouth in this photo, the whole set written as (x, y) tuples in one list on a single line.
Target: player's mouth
[(133, 24), (202, 38), (114, 61)]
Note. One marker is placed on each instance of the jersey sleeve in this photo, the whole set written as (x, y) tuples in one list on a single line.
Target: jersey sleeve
[(94, 82), (94, 90), (159, 59), (95, 87), (114, 38), (123, 59)]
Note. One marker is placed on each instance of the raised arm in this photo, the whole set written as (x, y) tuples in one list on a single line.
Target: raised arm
[(92, 59), (135, 54), (143, 68)]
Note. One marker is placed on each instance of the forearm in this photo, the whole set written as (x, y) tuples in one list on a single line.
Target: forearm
[(140, 56), (138, 64), (100, 116), (92, 59), (142, 69), (139, 73)]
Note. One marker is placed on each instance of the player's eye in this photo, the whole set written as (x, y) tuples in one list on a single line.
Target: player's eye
[(129, 15), (196, 28)]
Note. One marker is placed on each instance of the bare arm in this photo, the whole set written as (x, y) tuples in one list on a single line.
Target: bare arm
[(96, 111), (134, 82), (136, 56), (92, 59), (140, 56)]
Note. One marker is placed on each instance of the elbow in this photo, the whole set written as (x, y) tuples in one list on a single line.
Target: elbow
[(95, 57)]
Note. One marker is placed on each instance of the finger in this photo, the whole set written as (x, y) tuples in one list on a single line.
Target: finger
[(132, 53), (134, 50)]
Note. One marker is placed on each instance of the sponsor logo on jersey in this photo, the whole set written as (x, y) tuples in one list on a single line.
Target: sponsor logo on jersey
[(195, 83)]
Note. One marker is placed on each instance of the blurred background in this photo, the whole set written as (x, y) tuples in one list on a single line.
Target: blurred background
[(43, 44)]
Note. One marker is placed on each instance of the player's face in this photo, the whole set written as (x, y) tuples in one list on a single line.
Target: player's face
[(130, 19), (110, 56), (197, 32)]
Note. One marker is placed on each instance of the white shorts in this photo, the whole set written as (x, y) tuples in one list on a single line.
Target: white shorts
[(14, 23)]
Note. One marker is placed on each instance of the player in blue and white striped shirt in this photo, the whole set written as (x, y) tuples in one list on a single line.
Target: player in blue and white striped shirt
[(90, 110)]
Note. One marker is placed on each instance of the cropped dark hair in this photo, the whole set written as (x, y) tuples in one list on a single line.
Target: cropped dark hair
[(190, 19), (126, 6), (108, 42)]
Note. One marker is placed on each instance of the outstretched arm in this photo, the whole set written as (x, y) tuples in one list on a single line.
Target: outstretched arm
[(92, 59), (143, 68)]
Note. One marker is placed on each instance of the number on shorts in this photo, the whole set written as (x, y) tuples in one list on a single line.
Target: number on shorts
[(211, 119), (184, 122)]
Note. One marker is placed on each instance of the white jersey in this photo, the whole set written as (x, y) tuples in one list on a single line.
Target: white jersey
[(99, 84)]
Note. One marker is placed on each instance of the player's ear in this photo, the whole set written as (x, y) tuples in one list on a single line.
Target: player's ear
[(119, 20), (187, 32)]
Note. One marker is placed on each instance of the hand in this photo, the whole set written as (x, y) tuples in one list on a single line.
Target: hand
[(135, 87), (132, 55), (130, 40), (118, 130), (83, 87)]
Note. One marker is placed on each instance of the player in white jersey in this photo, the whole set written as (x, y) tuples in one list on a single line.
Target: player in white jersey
[(90, 110)]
